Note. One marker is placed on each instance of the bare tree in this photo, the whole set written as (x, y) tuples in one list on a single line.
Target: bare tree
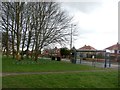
[(35, 25), (53, 24), (19, 16), (6, 26)]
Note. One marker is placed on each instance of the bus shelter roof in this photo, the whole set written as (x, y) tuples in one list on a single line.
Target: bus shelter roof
[(90, 50)]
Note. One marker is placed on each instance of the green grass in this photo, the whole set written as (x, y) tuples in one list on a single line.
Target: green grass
[(71, 80), (101, 79), (27, 65)]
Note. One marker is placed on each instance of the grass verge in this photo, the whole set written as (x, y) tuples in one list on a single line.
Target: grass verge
[(69, 80), (27, 65)]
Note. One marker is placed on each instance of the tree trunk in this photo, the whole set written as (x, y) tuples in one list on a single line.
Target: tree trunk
[(32, 53), (17, 22), (7, 35), (36, 52), (13, 37), (23, 43), (28, 44)]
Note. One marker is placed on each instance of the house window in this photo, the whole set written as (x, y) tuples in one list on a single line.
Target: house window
[(115, 51), (119, 51)]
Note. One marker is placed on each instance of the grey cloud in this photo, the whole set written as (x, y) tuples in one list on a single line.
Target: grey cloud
[(85, 7)]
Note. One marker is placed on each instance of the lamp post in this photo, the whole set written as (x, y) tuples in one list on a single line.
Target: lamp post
[(118, 51), (71, 35), (105, 65)]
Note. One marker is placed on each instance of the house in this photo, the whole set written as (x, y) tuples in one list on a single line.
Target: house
[(52, 52), (86, 51), (85, 47), (114, 51)]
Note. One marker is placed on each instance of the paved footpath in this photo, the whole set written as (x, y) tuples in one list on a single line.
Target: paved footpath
[(96, 64), (54, 72)]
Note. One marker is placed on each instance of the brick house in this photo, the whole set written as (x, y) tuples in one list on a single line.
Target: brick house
[(114, 51), (52, 52), (87, 48)]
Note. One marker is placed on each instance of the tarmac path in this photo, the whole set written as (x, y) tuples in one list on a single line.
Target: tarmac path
[(51, 72)]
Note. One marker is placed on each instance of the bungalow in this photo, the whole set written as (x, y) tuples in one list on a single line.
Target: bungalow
[(85, 47), (114, 51), (86, 51)]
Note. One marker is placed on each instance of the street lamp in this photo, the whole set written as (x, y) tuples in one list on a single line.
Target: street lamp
[(71, 35)]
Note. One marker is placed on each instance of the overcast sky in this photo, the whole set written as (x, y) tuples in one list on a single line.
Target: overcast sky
[(97, 21)]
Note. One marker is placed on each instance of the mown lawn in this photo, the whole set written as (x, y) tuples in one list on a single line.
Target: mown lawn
[(99, 79), (27, 65), (71, 80)]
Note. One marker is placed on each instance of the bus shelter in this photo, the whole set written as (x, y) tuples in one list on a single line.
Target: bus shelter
[(91, 55)]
